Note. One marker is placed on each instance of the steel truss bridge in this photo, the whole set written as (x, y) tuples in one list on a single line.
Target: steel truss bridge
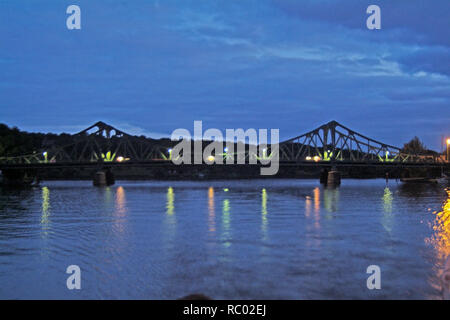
[(329, 144)]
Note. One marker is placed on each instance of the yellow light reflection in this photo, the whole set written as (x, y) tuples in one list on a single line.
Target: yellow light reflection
[(264, 212), (316, 200), (387, 200), (170, 207), (317, 207), (387, 219), (120, 201), (441, 238), (211, 210), (226, 219), (45, 217), (120, 210), (170, 221), (45, 206)]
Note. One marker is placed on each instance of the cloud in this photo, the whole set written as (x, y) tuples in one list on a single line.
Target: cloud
[(150, 67)]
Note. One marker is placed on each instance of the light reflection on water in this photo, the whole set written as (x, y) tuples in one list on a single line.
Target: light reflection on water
[(290, 239), (441, 237), (265, 221), (45, 218), (211, 211), (387, 218)]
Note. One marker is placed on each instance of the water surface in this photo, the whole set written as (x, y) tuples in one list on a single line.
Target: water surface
[(253, 239)]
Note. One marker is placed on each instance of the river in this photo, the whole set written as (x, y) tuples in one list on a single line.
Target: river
[(242, 239)]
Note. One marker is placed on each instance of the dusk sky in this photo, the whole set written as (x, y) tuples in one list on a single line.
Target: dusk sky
[(149, 67)]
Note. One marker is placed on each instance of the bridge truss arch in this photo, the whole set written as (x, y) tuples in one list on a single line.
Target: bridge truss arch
[(335, 142)]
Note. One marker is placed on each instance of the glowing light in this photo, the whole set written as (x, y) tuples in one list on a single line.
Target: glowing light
[(225, 149), (44, 153), (316, 207), (170, 207), (169, 151), (387, 220), (441, 237), (387, 200), (226, 219), (120, 159), (225, 190), (308, 158), (211, 159), (45, 205), (121, 201), (448, 141), (45, 218), (211, 210), (120, 212), (264, 211), (316, 158)]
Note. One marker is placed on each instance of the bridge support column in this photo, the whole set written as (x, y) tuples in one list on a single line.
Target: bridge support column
[(103, 178), (334, 178)]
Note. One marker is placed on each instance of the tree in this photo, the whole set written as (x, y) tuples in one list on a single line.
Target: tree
[(415, 146)]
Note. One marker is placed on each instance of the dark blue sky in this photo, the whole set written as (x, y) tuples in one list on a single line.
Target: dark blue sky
[(149, 67)]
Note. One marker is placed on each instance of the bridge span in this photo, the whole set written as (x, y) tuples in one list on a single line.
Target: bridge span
[(103, 148)]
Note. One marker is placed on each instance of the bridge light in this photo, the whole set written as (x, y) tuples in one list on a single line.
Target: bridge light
[(225, 149), (448, 141), (316, 158), (120, 159), (211, 159), (44, 153), (387, 152), (169, 151), (308, 158)]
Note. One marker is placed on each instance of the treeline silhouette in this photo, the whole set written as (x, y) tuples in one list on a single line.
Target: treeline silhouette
[(15, 142)]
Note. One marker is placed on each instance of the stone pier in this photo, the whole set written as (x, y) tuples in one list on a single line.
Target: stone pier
[(334, 178), (103, 178)]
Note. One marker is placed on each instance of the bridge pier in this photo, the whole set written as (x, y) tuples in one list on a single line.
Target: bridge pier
[(334, 178), (103, 178), (330, 177)]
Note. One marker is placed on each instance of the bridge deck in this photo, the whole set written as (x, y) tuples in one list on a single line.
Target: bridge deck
[(169, 164)]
